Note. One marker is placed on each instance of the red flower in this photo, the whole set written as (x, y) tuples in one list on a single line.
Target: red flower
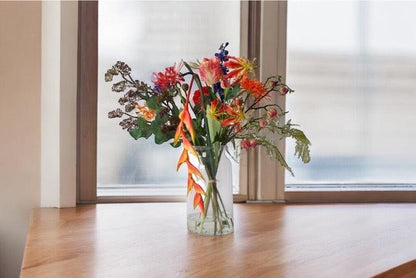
[(197, 94), (169, 78)]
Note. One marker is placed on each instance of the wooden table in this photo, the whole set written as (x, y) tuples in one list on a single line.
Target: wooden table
[(270, 240)]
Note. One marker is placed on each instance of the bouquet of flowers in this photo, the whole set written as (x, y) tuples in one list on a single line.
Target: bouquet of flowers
[(203, 106)]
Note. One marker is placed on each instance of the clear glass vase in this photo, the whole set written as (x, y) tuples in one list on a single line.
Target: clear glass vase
[(216, 165)]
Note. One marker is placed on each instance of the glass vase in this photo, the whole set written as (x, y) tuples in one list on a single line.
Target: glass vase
[(216, 167)]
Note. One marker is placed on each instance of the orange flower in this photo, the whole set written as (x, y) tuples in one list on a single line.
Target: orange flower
[(198, 201), (239, 68), (254, 87), (233, 115), (145, 112)]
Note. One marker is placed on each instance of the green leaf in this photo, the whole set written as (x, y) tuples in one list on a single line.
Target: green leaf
[(152, 103), (213, 124), (302, 145), (143, 129), (232, 92), (274, 152)]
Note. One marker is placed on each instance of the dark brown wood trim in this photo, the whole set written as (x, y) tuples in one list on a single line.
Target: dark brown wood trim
[(404, 270), (350, 196), (87, 101), (253, 51)]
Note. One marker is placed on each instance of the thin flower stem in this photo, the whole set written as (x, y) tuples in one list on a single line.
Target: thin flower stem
[(130, 115)]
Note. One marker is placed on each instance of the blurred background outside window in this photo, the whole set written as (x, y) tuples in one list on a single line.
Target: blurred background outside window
[(150, 36), (353, 66)]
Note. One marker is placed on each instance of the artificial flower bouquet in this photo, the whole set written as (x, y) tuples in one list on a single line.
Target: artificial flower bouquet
[(203, 106)]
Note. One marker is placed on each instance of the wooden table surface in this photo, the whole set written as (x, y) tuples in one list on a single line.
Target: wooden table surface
[(270, 240)]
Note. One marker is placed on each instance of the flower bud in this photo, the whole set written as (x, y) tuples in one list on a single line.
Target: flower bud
[(272, 113), (238, 101), (284, 90), (238, 128), (245, 144), (263, 123)]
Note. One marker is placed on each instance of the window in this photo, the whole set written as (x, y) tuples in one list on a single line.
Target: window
[(353, 66), (170, 29), (150, 36)]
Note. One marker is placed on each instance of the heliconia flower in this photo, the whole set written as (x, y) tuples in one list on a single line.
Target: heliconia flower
[(263, 123), (182, 159), (272, 113), (239, 68), (210, 71), (169, 78), (254, 87), (145, 112), (193, 170), (185, 117), (187, 145), (193, 185), (190, 184), (198, 189), (284, 90), (198, 201)]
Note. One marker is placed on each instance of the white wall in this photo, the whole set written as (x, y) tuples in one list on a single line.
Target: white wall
[(59, 96), (20, 75)]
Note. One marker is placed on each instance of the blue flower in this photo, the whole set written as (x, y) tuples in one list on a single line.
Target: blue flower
[(223, 56)]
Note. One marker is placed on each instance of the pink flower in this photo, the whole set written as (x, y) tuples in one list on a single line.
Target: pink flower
[(210, 71), (262, 123), (245, 144), (238, 128), (272, 113)]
